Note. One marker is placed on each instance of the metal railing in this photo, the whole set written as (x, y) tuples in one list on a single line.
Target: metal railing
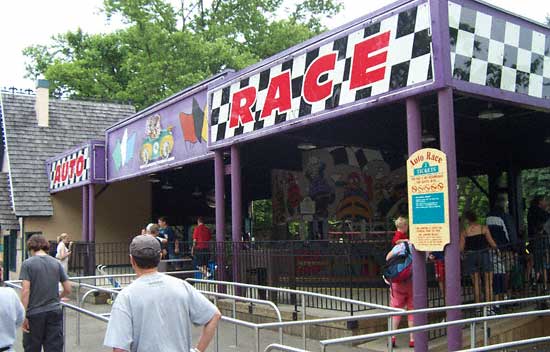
[(472, 321), (389, 314), (279, 347), (505, 345), (246, 299), (303, 295), (64, 306)]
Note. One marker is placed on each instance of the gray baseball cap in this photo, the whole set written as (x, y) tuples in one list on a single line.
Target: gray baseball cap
[(145, 246)]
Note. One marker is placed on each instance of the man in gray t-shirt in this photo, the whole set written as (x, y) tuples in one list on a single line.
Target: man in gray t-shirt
[(156, 311), (41, 275)]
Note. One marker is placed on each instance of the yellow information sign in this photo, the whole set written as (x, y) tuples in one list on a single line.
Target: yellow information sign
[(428, 200)]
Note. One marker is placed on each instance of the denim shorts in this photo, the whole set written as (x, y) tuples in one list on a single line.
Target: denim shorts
[(477, 262)]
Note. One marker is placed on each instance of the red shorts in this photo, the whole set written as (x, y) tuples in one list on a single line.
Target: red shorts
[(401, 295), (439, 266)]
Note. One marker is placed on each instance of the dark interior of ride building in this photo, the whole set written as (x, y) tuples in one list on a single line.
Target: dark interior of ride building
[(360, 155)]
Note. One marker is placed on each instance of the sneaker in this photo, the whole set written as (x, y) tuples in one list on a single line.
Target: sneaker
[(411, 344)]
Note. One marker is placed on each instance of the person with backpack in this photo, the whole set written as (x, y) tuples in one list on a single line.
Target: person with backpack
[(398, 274)]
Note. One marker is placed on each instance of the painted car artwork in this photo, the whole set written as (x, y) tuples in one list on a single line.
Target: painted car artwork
[(158, 143), (159, 139)]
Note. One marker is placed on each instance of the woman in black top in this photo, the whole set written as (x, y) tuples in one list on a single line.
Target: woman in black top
[(475, 240)]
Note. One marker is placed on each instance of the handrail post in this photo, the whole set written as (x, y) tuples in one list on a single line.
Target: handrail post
[(217, 328), (78, 315), (64, 328), (304, 340), (235, 317), (390, 328), (257, 338), (485, 328), (473, 335)]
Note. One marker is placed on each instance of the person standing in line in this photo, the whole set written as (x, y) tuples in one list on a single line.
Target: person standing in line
[(503, 231), (401, 293), (64, 247), (167, 232), (40, 275), (537, 216), (200, 249), (63, 252), (475, 240), (11, 315), (153, 230), (141, 321)]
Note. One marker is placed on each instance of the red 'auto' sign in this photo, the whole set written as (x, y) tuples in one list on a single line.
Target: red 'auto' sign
[(70, 169)]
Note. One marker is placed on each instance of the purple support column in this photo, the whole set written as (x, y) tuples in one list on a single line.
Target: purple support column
[(85, 213), (91, 228), (219, 184), (420, 289), (453, 290), (236, 208)]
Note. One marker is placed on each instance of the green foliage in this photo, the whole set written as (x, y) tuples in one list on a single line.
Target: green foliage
[(262, 213), (535, 182), (152, 58), (470, 197)]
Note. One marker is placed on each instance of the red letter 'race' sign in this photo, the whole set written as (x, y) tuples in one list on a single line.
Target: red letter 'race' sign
[(313, 91), (240, 107), (363, 61)]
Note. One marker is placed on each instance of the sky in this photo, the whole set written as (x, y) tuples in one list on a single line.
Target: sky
[(27, 22)]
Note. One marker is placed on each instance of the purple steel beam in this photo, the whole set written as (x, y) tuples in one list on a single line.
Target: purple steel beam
[(441, 41), (453, 288), (91, 212), (219, 184), (85, 213), (420, 283), (236, 207)]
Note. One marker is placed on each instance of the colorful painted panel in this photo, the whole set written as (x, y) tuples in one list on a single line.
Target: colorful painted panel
[(70, 170), (381, 57), (169, 136), (341, 183), (490, 51)]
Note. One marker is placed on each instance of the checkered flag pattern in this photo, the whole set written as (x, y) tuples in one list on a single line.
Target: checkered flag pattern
[(409, 61), (71, 177), (493, 52), (360, 157)]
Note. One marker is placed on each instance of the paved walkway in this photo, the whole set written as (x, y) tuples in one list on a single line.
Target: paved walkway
[(93, 332)]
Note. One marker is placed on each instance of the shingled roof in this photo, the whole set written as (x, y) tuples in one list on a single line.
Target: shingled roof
[(28, 146), (8, 221)]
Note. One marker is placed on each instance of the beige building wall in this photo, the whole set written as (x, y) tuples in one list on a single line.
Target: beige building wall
[(122, 210)]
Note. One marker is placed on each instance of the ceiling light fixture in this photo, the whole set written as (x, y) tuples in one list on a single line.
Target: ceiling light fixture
[(167, 186), (547, 140), (307, 146), (490, 113), (427, 137), (197, 192), (154, 179)]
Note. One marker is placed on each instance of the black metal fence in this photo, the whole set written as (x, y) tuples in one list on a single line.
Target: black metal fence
[(349, 269)]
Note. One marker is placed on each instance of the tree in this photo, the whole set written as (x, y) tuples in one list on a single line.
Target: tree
[(164, 50)]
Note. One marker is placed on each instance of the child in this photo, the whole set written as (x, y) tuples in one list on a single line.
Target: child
[(402, 227)]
